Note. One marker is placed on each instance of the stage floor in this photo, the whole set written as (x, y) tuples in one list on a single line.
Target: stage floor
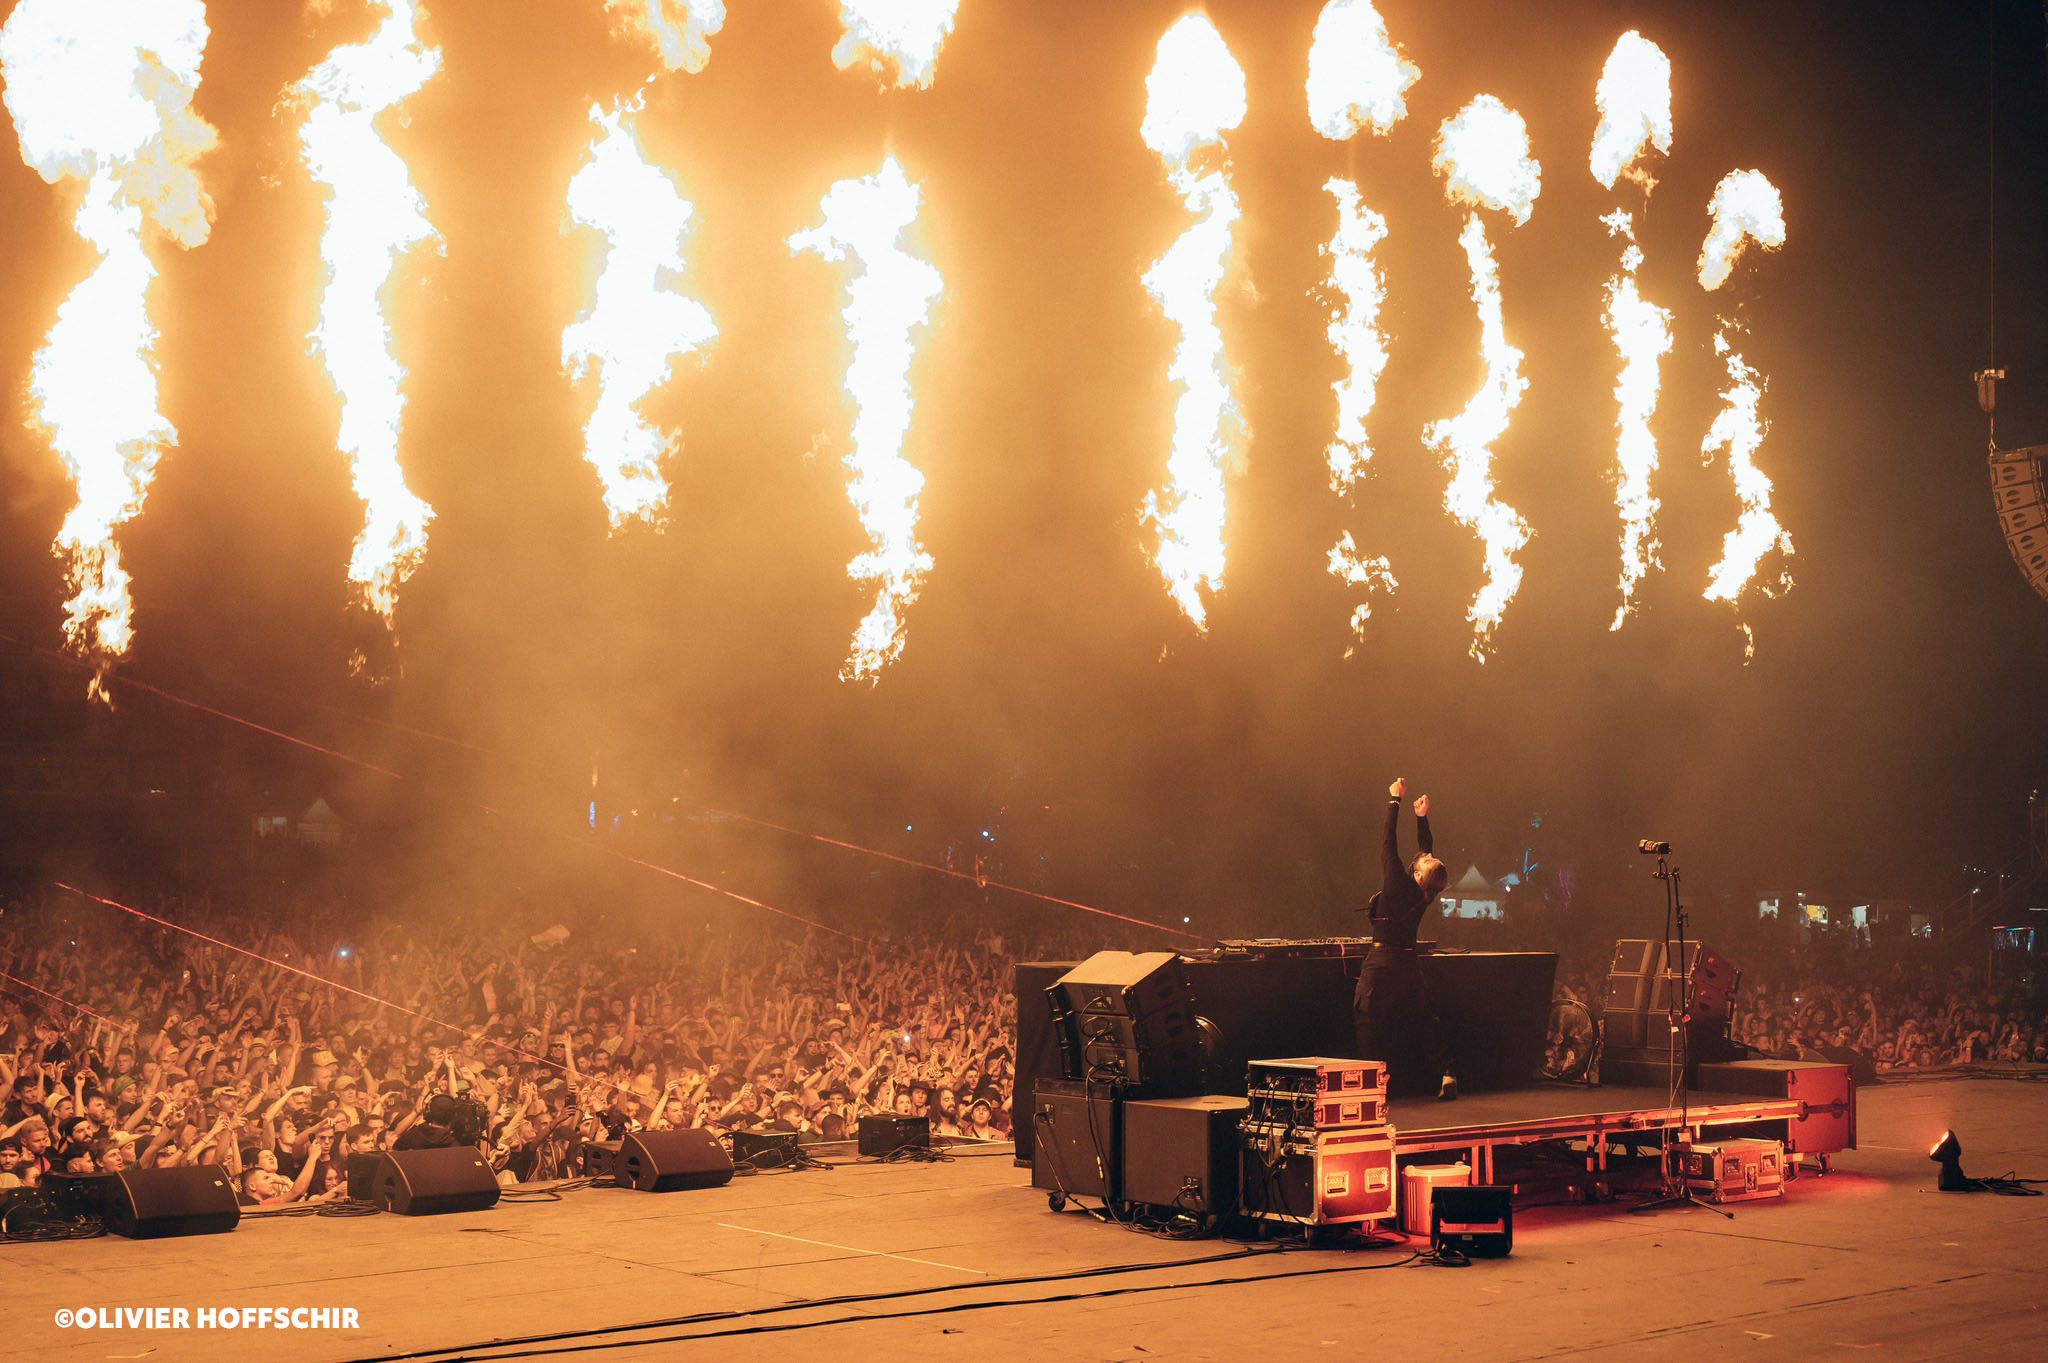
[(1867, 1260)]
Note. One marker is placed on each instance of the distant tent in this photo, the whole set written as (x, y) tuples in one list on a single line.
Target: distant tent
[(320, 825), (1473, 896)]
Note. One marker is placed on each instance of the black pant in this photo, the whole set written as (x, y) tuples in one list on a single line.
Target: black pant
[(1397, 1024)]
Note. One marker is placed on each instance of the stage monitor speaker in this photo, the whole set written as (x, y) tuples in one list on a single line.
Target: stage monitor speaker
[(882, 1134), (1181, 1153), (1077, 1145), (672, 1161), (765, 1149), (153, 1204), (429, 1182), (598, 1159), (1478, 1222), (362, 1174)]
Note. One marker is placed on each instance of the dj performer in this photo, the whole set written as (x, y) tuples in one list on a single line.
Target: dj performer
[(1391, 1009)]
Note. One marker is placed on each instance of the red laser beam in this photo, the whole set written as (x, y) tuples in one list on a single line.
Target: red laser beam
[(321, 979), (981, 881), (74, 1007)]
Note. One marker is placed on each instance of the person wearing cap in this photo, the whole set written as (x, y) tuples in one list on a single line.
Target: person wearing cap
[(980, 1123)]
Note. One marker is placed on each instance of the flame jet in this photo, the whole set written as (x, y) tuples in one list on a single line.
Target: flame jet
[(1357, 78), (1194, 94), (886, 299), (637, 326), (374, 215), (101, 92), (680, 30), (1745, 208), (899, 40), (1483, 155), (1634, 102)]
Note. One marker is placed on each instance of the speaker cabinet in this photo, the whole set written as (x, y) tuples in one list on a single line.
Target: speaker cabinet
[(1077, 1146), (1181, 1153), (1478, 1221), (673, 1161), (428, 1182), (151, 1204)]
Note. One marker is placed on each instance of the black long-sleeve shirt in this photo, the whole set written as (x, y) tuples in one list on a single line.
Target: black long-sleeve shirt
[(1396, 911)]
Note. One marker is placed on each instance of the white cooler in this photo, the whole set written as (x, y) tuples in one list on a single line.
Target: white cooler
[(1417, 1181)]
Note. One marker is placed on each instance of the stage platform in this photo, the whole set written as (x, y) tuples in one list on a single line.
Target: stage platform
[(1479, 1124), (1867, 1261)]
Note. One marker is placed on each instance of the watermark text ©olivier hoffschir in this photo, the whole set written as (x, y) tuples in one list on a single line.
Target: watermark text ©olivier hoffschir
[(208, 1318)]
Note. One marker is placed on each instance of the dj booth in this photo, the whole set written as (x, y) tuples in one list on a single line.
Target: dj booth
[(1265, 999)]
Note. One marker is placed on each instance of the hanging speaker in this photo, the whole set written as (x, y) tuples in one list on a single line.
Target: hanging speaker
[(671, 1161)]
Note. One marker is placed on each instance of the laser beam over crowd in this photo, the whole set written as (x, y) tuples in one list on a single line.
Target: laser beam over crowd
[(888, 296), (1746, 207), (374, 216), (1357, 78), (899, 40), (637, 326), (1483, 155), (101, 93), (1194, 94), (1634, 102)]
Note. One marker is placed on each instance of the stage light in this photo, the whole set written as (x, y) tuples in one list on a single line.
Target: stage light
[(1948, 1153)]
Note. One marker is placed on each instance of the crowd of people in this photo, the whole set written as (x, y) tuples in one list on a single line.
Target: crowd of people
[(276, 1043), (1889, 1011), (128, 1043)]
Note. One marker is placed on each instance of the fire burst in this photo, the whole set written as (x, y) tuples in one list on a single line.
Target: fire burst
[(636, 328), (1745, 208), (898, 40), (1634, 100), (1356, 78), (374, 215), (1483, 154), (101, 93), (680, 30), (890, 296), (1193, 96)]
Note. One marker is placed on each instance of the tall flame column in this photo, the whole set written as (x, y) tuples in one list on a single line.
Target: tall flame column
[(101, 92), (374, 216), (1357, 78), (887, 298), (1745, 208), (1483, 155), (1194, 94), (637, 325), (1634, 102)]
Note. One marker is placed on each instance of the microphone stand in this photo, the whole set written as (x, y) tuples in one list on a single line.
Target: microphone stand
[(1678, 1012)]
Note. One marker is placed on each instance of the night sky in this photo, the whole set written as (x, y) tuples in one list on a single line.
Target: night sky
[(1885, 735)]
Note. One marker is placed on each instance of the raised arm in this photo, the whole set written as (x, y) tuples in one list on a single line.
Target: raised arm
[(1422, 839), (1391, 866)]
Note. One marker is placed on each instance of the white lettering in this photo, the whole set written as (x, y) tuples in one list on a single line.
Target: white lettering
[(180, 1318), (348, 1318), (209, 1318)]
